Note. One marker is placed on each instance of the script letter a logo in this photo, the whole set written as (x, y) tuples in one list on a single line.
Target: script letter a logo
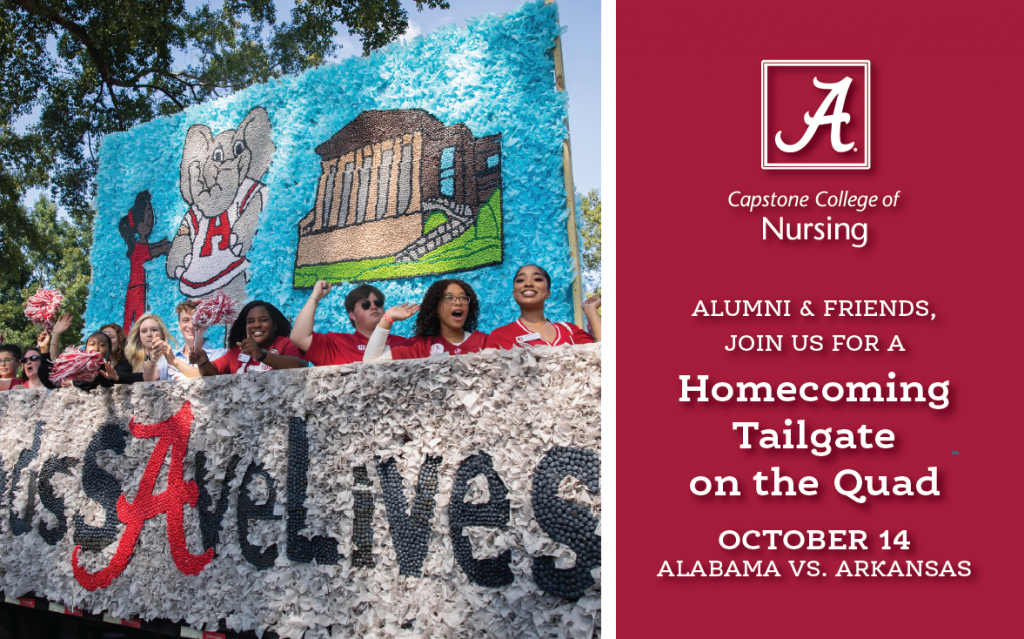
[(837, 94)]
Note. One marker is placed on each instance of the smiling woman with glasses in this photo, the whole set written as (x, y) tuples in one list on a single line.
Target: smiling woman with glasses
[(447, 324), (531, 287), (364, 305)]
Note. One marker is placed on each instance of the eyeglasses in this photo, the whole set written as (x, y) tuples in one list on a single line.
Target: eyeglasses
[(451, 299), (379, 303), (30, 358), (7, 362)]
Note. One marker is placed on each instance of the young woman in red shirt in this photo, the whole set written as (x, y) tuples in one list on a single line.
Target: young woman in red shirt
[(531, 287), (447, 324), (259, 339)]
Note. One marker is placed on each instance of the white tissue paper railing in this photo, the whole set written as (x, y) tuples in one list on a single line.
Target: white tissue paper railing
[(448, 497)]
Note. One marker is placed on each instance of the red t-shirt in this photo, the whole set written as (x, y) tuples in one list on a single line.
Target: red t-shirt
[(335, 349), (416, 347), (512, 335), (17, 382), (230, 363)]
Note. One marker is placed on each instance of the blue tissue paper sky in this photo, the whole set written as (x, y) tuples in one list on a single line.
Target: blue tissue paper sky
[(494, 76)]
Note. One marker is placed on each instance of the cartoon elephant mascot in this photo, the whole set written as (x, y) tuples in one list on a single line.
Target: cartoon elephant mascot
[(220, 180)]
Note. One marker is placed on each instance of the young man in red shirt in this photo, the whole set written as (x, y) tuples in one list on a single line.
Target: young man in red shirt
[(365, 307)]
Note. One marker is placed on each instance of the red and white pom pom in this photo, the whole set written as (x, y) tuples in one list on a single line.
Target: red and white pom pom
[(74, 364), (216, 310), (41, 308)]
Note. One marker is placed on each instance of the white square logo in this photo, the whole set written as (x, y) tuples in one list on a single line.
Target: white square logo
[(815, 114)]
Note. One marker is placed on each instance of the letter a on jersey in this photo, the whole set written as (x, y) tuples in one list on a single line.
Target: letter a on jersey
[(790, 89)]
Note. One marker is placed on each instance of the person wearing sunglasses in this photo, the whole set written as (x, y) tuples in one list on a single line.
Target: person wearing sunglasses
[(446, 325), (10, 356), (531, 287), (35, 368), (365, 306)]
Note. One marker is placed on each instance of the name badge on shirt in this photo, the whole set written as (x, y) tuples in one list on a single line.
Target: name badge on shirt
[(242, 357), (529, 337)]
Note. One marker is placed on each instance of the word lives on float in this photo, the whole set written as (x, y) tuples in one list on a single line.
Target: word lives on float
[(776, 226)]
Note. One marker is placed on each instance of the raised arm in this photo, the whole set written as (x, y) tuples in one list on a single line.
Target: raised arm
[(377, 349), (62, 325), (302, 329)]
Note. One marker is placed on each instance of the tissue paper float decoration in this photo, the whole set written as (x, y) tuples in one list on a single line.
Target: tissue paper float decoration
[(401, 195), (172, 435), (220, 180), (479, 113), (455, 497), (135, 229)]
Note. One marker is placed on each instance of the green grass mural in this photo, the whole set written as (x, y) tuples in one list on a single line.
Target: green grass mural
[(480, 245)]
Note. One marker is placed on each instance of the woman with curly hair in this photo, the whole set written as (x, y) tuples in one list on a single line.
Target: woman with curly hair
[(261, 343), (446, 325), (531, 287)]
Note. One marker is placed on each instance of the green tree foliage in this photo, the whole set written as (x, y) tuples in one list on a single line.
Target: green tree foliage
[(22, 157), (590, 252), (60, 262), (91, 67)]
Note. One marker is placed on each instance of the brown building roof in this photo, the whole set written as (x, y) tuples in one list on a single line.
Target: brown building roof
[(383, 125)]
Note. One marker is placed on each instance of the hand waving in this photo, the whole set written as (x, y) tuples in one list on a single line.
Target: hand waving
[(109, 372), (402, 312), (63, 324)]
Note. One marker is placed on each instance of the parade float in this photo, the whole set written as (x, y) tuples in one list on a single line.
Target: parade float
[(445, 497)]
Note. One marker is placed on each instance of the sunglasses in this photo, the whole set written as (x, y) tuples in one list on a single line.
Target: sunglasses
[(30, 358), (379, 303)]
